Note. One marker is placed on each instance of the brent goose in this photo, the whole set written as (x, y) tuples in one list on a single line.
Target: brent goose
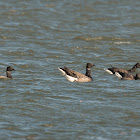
[(126, 76), (112, 70), (74, 76), (8, 73)]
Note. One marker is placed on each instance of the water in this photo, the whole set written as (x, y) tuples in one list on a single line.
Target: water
[(36, 38)]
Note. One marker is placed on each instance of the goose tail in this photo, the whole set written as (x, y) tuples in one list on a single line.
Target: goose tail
[(118, 75), (62, 71), (108, 71)]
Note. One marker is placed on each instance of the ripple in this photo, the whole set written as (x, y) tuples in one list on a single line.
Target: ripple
[(101, 38), (119, 43), (88, 38)]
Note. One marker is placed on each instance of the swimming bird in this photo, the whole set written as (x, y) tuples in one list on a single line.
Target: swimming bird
[(8, 73), (112, 70), (74, 76), (126, 76)]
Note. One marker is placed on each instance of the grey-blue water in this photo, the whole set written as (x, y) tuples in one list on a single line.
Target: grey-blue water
[(37, 37)]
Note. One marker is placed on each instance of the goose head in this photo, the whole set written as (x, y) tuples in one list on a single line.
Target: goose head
[(137, 65), (89, 65), (9, 68)]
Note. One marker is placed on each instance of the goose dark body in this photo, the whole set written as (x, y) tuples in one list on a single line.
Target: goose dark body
[(126, 76), (112, 70), (74, 76)]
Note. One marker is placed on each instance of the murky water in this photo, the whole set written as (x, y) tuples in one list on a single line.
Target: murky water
[(37, 37)]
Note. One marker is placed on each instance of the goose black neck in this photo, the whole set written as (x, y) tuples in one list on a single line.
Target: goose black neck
[(133, 69), (137, 77), (8, 74), (88, 72)]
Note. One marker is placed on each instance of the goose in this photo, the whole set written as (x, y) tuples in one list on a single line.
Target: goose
[(112, 70), (8, 73), (74, 76), (126, 76)]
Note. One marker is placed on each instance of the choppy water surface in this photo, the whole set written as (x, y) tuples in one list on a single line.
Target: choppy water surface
[(37, 37)]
